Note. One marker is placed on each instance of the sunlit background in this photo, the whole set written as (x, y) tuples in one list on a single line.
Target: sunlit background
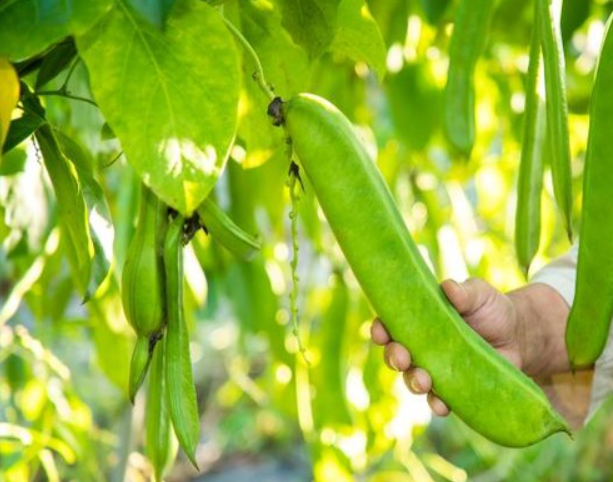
[(267, 415)]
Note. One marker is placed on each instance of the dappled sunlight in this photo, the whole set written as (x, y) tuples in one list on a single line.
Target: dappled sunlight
[(413, 411), (357, 394), (453, 263), (395, 58), (283, 374), (354, 446), (185, 158)]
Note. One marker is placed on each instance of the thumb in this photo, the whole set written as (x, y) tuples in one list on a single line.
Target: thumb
[(466, 297)]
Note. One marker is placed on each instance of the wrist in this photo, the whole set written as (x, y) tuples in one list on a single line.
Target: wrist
[(541, 315)]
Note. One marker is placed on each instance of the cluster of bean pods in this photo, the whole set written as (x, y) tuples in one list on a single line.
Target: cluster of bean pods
[(152, 295)]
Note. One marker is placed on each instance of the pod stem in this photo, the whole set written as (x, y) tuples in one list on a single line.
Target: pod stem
[(294, 183), (258, 75)]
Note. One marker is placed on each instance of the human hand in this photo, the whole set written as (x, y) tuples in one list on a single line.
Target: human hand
[(489, 312)]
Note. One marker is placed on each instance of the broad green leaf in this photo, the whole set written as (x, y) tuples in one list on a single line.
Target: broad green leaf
[(170, 97), (286, 66), (311, 23), (98, 215), (358, 36), (9, 96), (29, 27), (72, 207), (154, 11)]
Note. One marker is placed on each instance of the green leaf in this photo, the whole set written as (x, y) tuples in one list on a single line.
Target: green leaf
[(73, 210), (33, 117), (13, 162), (20, 129), (287, 69), (311, 23), (358, 36), (574, 14), (106, 133), (391, 18), (435, 9), (154, 11), (170, 97), (29, 27), (415, 104), (86, 219), (113, 336), (58, 59), (98, 214)]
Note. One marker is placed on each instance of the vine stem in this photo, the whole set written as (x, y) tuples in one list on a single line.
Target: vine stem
[(63, 93), (294, 183), (258, 75), (63, 90)]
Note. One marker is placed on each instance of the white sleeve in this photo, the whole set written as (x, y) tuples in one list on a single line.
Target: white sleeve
[(561, 275)]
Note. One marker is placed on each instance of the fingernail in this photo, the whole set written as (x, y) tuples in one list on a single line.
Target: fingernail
[(392, 364), (459, 285), (413, 384)]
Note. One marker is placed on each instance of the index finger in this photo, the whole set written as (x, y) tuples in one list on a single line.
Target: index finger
[(378, 333)]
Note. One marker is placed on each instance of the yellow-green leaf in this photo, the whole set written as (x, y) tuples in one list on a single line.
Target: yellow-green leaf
[(170, 96), (29, 27), (358, 36)]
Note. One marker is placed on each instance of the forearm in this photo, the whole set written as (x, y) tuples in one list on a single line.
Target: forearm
[(541, 314)]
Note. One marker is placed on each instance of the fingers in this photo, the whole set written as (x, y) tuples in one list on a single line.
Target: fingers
[(417, 381), (437, 406), (469, 296), (378, 333), (397, 357)]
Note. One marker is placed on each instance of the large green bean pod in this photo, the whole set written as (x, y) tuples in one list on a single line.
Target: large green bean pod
[(182, 403), (530, 180), (472, 21), (557, 109), (590, 316), (479, 385), (160, 443), (142, 290)]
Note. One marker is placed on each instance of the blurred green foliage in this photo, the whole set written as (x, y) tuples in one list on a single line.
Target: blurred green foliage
[(64, 411)]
